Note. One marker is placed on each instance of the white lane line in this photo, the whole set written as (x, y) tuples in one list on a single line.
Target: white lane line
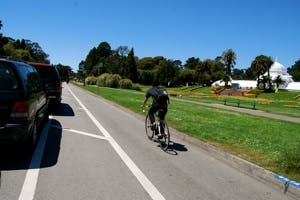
[(144, 181), (87, 134), (32, 174), (80, 132)]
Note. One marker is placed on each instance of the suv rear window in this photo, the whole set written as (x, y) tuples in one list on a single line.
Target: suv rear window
[(48, 73), (8, 79)]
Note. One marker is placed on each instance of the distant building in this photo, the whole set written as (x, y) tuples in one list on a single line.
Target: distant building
[(276, 70)]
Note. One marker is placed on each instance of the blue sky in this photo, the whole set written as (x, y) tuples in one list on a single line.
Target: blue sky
[(175, 29)]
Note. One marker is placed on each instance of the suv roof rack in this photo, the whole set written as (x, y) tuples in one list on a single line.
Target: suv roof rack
[(39, 64)]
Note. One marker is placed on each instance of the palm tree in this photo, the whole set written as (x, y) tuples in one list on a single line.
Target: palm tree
[(259, 66), (228, 57), (278, 81)]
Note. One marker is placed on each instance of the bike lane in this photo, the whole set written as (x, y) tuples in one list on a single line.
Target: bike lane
[(80, 163)]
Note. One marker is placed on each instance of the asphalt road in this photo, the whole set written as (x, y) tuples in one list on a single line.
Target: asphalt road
[(92, 149)]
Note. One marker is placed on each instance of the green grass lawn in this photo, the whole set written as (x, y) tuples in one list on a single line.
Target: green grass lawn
[(272, 144), (283, 102)]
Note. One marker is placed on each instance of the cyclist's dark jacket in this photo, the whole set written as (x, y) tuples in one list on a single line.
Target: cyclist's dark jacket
[(155, 105)]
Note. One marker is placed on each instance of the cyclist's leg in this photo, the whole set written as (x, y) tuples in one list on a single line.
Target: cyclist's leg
[(153, 109), (162, 113)]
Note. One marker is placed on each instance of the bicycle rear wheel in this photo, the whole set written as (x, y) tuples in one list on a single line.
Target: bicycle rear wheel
[(148, 125), (165, 140)]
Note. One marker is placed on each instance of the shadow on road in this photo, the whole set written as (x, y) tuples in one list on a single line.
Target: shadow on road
[(17, 157), (175, 147), (64, 110), (52, 147)]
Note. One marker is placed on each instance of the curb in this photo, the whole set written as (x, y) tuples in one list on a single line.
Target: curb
[(242, 165)]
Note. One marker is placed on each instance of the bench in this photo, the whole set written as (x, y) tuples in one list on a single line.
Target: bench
[(238, 102)]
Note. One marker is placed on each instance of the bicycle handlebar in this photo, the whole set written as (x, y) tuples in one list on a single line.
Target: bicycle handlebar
[(143, 107)]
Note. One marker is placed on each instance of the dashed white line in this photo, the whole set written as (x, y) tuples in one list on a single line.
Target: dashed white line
[(87, 134), (144, 181)]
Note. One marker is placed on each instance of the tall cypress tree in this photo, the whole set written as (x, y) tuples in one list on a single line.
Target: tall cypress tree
[(131, 66)]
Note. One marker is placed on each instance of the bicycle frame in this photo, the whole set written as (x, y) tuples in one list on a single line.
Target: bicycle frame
[(163, 135)]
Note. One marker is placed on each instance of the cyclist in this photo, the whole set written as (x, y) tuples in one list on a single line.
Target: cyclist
[(160, 101)]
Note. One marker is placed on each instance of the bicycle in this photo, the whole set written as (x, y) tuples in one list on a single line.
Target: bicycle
[(159, 130)]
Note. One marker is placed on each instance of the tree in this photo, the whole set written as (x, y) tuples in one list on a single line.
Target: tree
[(185, 76), (65, 72), (294, 71), (260, 65), (122, 51), (191, 63), (104, 50), (146, 63), (91, 60), (166, 72), (228, 57), (238, 74), (36, 52), (278, 81), (131, 71)]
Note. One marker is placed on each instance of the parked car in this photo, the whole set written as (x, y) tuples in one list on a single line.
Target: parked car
[(23, 102), (51, 82)]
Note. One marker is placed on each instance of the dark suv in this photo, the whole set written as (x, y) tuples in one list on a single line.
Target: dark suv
[(51, 82), (23, 102)]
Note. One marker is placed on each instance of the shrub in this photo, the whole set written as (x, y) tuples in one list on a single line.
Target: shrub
[(125, 84), (136, 87), (91, 80), (102, 79), (113, 81)]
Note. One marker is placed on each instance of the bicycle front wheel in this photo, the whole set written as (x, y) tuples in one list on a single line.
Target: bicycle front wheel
[(165, 140), (148, 126)]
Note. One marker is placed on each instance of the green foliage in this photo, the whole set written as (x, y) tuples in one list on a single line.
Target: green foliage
[(91, 80), (65, 72), (113, 81), (229, 57), (294, 71), (23, 50), (289, 159), (260, 65), (122, 61), (136, 87), (101, 81), (129, 67), (146, 77), (125, 84)]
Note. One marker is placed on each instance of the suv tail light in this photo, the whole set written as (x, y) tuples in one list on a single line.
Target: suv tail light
[(57, 86), (19, 110)]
